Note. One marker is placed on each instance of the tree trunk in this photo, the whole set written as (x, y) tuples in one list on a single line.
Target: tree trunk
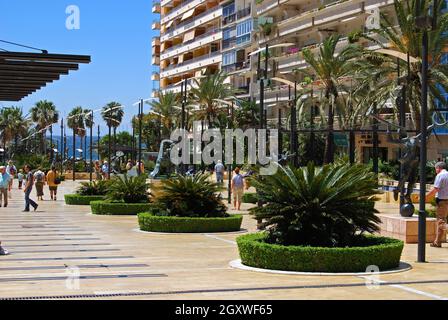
[(329, 146)]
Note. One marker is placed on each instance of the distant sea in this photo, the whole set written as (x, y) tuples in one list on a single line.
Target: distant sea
[(58, 145)]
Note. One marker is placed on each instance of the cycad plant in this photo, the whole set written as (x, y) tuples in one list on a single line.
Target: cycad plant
[(185, 196), (128, 189), (329, 206), (95, 188)]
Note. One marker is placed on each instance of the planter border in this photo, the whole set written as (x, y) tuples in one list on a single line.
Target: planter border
[(385, 254), (237, 264), (167, 224), (80, 200), (117, 208)]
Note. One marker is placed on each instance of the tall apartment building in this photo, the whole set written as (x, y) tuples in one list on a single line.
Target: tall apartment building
[(207, 35)]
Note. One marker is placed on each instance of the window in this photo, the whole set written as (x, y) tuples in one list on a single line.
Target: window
[(228, 58), (244, 28), (228, 10), (228, 33)]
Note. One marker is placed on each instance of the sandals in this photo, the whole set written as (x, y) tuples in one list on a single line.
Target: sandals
[(436, 245)]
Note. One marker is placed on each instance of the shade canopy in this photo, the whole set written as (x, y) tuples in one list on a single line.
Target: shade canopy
[(22, 73)]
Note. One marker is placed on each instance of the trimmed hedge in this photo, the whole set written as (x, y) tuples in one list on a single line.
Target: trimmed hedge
[(383, 252), (114, 208), (78, 200), (170, 224), (250, 198)]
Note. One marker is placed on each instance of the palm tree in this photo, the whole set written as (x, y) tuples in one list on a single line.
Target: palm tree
[(167, 107), (329, 68), (379, 76), (206, 93), (76, 122), (44, 114), (13, 125), (113, 116)]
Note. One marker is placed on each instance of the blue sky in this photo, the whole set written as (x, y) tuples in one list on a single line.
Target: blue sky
[(117, 34)]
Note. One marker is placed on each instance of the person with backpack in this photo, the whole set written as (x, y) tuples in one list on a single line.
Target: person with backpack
[(12, 171), (28, 188), (237, 189), (39, 178), (53, 180)]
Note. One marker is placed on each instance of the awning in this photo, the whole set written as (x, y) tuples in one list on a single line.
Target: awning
[(169, 24), (22, 73), (200, 73), (188, 14), (162, 46), (181, 59), (189, 35)]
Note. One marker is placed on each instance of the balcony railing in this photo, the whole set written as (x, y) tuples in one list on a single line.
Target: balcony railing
[(242, 13), (173, 13), (169, 31), (202, 36), (228, 43), (194, 60)]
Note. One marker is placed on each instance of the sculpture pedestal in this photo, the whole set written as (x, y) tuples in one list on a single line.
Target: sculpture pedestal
[(406, 229)]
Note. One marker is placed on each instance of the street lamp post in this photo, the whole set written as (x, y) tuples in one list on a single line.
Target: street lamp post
[(140, 116), (91, 146), (62, 145), (74, 152), (51, 144), (109, 149), (98, 143)]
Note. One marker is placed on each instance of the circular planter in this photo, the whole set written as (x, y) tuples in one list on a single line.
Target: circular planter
[(78, 200), (120, 209), (383, 252), (167, 224)]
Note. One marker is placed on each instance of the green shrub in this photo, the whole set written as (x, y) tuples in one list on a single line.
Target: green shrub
[(250, 198), (382, 252), (79, 200), (95, 188), (117, 208), (128, 189), (329, 206), (150, 222), (195, 196)]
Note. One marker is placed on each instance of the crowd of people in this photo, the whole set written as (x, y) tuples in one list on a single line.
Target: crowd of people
[(27, 179), (101, 169)]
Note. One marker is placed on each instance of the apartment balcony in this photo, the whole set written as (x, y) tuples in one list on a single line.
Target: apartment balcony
[(155, 51), (197, 42), (266, 5), (155, 76), (155, 61), (155, 25), (192, 64), (180, 10), (156, 7), (174, 88), (236, 67), (332, 12), (155, 41), (196, 21)]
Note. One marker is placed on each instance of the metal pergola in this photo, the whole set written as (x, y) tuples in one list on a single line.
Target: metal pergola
[(23, 73)]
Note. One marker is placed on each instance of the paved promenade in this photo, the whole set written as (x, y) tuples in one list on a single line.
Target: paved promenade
[(51, 247)]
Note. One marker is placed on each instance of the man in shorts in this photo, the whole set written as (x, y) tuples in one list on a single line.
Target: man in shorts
[(237, 189), (440, 190)]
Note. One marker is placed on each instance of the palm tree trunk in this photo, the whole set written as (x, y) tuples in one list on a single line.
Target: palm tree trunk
[(329, 146)]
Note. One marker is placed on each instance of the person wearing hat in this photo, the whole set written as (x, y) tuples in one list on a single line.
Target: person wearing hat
[(105, 170)]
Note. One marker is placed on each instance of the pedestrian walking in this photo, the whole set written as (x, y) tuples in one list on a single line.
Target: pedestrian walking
[(5, 178), (39, 178), (29, 182), (105, 170), (219, 171), (237, 189), (97, 167), (12, 171), (440, 190), (20, 177), (53, 181), (3, 251)]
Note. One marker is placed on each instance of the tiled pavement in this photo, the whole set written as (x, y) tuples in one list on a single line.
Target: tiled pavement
[(50, 247)]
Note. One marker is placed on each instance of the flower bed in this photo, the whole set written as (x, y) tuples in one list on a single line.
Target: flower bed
[(118, 208), (378, 251), (172, 224), (78, 200)]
